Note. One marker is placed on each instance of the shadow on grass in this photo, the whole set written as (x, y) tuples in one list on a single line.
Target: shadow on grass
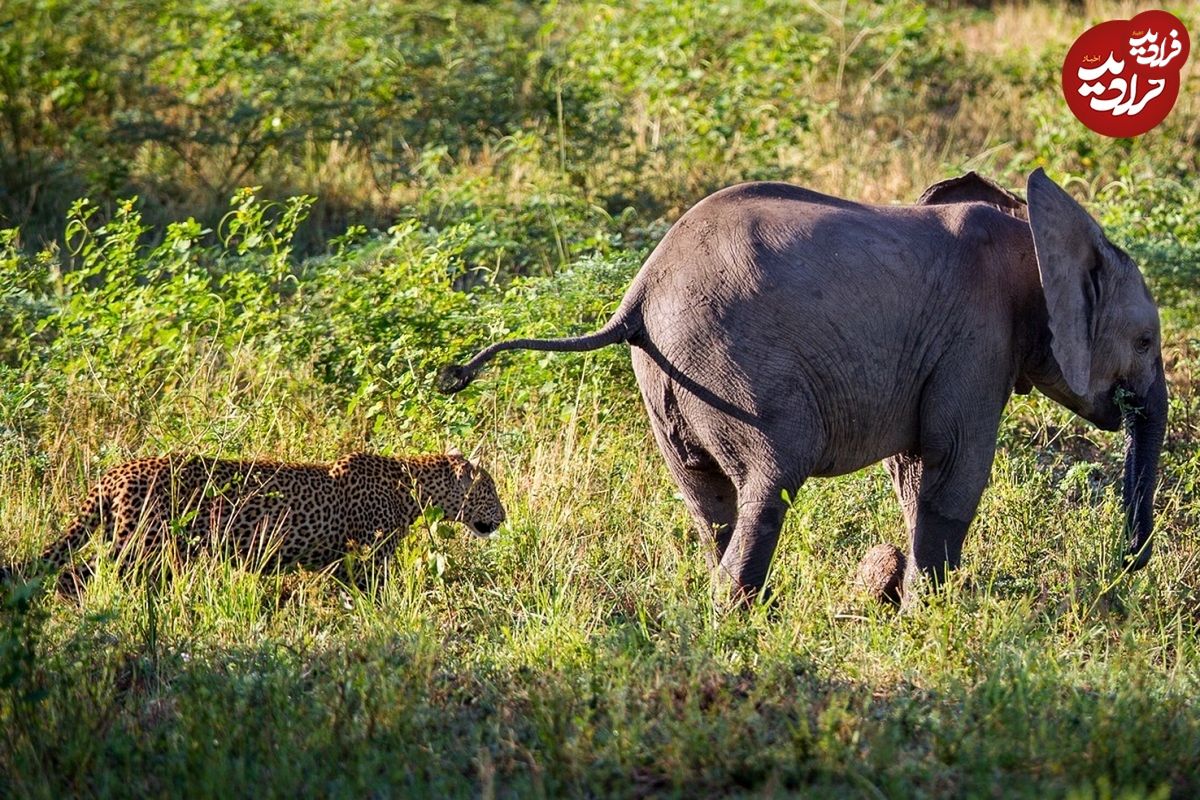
[(111, 710)]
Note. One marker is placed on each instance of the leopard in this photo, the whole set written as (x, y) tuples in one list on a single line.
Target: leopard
[(273, 514)]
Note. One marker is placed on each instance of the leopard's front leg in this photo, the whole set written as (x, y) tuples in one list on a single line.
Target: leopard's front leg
[(365, 562)]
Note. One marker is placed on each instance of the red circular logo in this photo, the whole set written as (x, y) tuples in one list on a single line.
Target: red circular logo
[(1121, 77)]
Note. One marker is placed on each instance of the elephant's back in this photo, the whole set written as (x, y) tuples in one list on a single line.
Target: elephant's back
[(754, 195), (772, 233), (771, 254)]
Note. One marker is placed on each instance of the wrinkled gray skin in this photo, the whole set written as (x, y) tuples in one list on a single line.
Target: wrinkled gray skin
[(778, 334)]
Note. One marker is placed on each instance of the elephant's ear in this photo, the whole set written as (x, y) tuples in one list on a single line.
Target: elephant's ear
[(1068, 243), (974, 188)]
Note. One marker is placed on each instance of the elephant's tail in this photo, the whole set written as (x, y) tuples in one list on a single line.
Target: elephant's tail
[(625, 325)]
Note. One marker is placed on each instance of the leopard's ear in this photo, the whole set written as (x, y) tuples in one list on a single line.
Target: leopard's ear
[(454, 451), (474, 457)]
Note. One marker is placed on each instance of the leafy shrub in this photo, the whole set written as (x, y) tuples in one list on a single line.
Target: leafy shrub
[(364, 328), (737, 88)]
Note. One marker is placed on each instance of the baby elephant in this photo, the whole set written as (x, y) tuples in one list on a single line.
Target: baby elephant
[(273, 513), (778, 334)]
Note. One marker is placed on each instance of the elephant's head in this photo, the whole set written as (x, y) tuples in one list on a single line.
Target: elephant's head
[(1105, 341)]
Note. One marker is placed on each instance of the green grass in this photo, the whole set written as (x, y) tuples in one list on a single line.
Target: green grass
[(577, 652)]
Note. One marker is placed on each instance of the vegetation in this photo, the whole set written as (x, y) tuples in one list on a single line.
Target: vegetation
[(430, 176)]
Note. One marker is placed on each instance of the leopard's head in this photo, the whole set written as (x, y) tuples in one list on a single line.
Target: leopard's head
[(479, 504)]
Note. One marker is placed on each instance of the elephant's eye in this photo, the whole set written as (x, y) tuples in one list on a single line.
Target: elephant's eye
[(1144, 343)]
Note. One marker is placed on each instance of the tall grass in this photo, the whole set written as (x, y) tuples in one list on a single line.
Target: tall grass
[(578, 652)]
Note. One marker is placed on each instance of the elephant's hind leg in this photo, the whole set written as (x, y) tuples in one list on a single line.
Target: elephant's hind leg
[(712, 500), (747, 559), (707, 492)]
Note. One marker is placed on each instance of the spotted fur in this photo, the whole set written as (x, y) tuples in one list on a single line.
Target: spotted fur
[(274, 513)]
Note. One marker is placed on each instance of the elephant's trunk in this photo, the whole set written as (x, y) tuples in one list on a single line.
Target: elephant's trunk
[(1144, 431)]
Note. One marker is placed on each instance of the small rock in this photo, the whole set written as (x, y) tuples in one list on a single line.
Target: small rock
[(881, 573)]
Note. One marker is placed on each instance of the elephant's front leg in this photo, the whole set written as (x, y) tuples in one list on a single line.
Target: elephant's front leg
[(949, 478), (936, 546), (934, 540), (905, 471)]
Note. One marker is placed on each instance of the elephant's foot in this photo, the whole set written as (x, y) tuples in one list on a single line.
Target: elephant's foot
[(730, 595)]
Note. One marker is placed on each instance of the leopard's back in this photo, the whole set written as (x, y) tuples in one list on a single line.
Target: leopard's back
[(266, 510), (273, 512)]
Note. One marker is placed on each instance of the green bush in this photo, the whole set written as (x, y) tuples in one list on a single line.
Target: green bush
[(123, 322)]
